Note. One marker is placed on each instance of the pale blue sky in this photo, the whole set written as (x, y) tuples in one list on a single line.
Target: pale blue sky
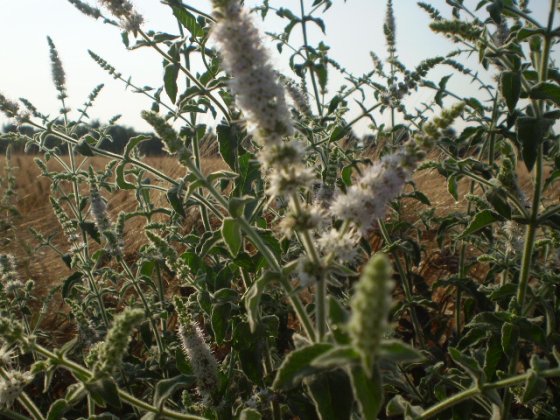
[(353, 29)]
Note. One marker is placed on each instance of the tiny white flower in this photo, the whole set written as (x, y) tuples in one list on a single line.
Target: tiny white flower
[(288, 181), (258, 92), (12, 386), (344, 247), (366, 200), (310, 217), (281, 155), (308, 272)]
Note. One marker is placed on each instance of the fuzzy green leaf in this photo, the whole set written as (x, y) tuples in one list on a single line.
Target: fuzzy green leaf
[(368, 392), (510, 88), (231, 234), (332, 395), (337, 357), (253, 297), (170, 80), (530, 134), (298, 365), (166, 387), (57, 409), (398, 351), (480, 221), (546, 91), (250, 414)]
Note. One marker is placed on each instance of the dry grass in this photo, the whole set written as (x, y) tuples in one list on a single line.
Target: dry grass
[(48, 269), (45, 266)]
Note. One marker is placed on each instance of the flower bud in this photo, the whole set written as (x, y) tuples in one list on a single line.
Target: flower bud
[(370, 306)]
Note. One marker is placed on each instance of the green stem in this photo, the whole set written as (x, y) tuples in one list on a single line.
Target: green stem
[(407, 287), (306, 48), (475, 391), (140, 294), (187, 72), (10, 414), (526, 261), (321, 293), (124, 396)]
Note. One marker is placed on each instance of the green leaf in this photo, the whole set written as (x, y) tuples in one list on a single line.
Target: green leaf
[(480, 221), (133, 142), (440, 94), (166, 387), (535, 386), (70, 282), (231, 234), (510, 337), (337, 357), (338, 316), (530, 134), (120, 179), (253, 295), (525, 33), (250, 414), (298, 365), (510, 88), (331, 394), (228, 142), (468, 363), (57, 409), (498, 198), (83, 148), (346, 175), (170, 80), (91, 230), (339, 132), (398, 406), (173, 196), (452, 187), (546, 91), (495, 11), (398, 351), (236, 205), (104, 390), (220, 321), (368, 392), (335, 101), (188, 21)]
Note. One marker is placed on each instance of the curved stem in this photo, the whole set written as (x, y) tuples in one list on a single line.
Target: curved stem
[(306, 47), (191, 76), (407, 287), (475, 391), (124, 396)]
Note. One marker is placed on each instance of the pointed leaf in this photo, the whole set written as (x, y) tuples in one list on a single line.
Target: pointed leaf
[(368, 392), (298, 365), (480, 221), (510, 88), (231, 234)]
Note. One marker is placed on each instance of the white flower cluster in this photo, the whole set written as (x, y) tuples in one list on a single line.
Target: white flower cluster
[(366, 201), (124, 11), (343, 246), (203, 363), (261, 97), (8, 274), (258, 92), (12, 386)]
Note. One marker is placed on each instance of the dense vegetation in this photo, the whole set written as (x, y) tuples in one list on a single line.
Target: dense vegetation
[(306, 286)]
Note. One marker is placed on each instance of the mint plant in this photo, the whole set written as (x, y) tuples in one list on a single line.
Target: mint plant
[(291, 282)]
